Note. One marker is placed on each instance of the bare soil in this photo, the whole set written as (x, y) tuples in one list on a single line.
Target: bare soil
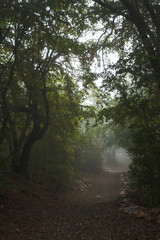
[(89, 210)]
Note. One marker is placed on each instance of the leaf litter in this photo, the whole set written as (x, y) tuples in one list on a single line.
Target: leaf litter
[(89, 210)]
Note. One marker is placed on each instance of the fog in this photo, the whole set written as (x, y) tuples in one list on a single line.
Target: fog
[(116, 160)]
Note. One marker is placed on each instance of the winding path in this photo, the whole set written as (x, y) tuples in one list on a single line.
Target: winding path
[(88, 211)]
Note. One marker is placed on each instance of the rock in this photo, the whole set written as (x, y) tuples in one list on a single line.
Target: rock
[(148, 218), (122, 193), (143, 209), (126, 210), (99, 196), (125, 200), (158, 219), (141, 214), (130, 209), (82, 184), (133, 207), (154, 211)]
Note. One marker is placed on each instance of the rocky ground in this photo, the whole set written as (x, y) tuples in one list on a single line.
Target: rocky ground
[(89, 210)]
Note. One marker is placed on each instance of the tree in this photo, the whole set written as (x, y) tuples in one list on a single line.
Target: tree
[(52, 157), (139, 18), (132, 29), (36, 39)]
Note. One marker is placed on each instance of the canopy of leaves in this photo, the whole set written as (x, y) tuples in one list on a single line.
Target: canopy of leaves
[(37, 41), (131, 28)]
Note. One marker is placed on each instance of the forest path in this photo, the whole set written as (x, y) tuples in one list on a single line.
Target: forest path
[(87, 211)]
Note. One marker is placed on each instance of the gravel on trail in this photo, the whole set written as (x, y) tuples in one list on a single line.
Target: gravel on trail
[(88, 211)]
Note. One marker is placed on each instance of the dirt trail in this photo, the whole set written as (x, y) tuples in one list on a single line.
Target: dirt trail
[(87, 211)]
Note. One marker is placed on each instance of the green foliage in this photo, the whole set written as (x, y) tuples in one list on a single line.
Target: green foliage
[(51, 161), (52, 158), (91, 159), (89, 151), (37, 42), (145, 168), (4, 169), (132, 29), (141, 115)]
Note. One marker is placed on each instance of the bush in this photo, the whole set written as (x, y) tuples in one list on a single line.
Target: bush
[(4, 169), (90, 159), (51, 161), (145, 170)]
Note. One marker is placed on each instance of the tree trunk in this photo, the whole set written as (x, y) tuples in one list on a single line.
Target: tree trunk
[(36, 134), (24, 158), (20, 162)]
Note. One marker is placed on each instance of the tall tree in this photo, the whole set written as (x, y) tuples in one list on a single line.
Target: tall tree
[(132, 28), (37, 38), (132, 18)]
